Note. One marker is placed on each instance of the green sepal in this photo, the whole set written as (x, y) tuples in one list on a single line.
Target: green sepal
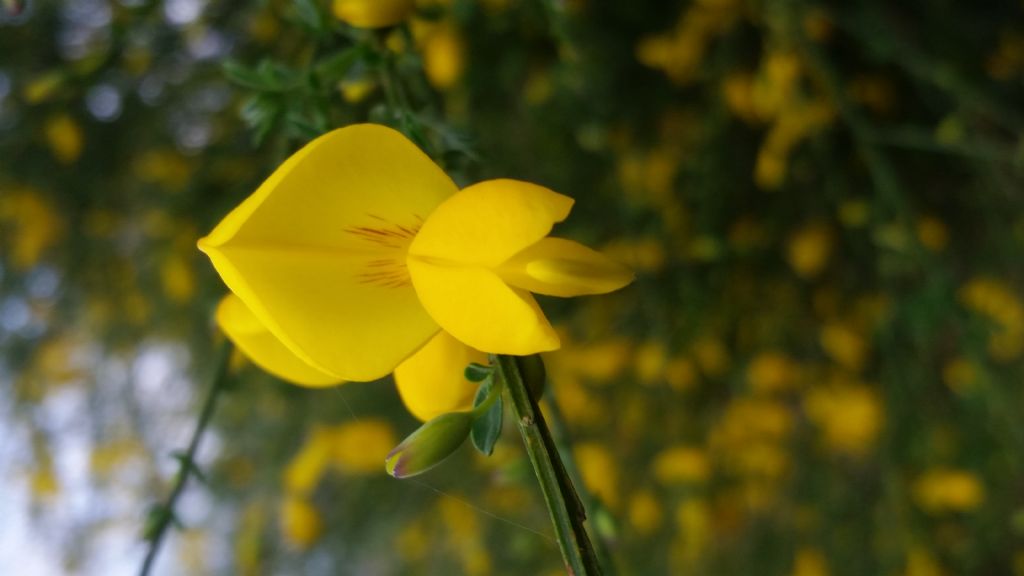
[(487, 427)]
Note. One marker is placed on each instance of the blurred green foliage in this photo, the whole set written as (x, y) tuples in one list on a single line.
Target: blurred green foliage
[(817, 372)]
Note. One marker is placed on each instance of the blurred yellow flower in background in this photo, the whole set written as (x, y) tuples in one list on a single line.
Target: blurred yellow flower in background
[(301, 523), (372, 13), (65, 138), (809, 249), (31, 225), (810, 562), (444, 55), (943, 490), (599, 471), (849, 415), (681, 465)]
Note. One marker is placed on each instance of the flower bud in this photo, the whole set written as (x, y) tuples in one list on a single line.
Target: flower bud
[(429, 445)]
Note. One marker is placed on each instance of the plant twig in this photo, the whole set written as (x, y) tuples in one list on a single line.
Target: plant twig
[(163, 516), (590, 501), (567, 512)]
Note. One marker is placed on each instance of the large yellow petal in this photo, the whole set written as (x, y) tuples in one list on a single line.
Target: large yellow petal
[(317, 253), (432, 381), (243, 328), (487, 223), (480, 310), (560, 267)]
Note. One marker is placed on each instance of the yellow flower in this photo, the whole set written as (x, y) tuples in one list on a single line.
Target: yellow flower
[(65, 138), (300, 523), (681, 465), (809, 562), (359, 250), (31, 225), (359, 447), (941, 490), (809, 249), (372, 13), (444, 56), (599, 472), (645, 512), (850, 417), (771, 372)]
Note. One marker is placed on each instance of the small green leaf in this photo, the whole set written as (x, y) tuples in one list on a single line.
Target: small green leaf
[(260, 113), (308, 14), (333, 68), (267, 76), (478, 373), (242, 75), (486, 428), (302, 127)]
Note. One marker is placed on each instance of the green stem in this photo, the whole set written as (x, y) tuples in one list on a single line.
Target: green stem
[(165, 513), (924, 140), (567, 513), (590, 501)]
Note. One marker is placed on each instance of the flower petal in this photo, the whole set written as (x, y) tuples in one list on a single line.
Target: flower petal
[(317, 253), (480, 310), (487, 223), (560, 267), (243, 328), (432, 381)]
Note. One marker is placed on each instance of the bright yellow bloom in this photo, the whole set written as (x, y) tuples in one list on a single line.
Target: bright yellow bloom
[(359, 250)]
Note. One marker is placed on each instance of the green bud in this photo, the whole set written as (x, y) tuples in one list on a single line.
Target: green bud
[(478, 372), (531, 368), (429, 445)]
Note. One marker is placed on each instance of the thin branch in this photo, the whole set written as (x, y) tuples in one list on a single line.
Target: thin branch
[(163, 516)]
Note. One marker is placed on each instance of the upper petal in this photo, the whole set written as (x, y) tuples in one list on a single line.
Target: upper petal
[(355, 176), (432, 381), (263, 348), (487, 223), (560, 267), (480, 310), (317, 253)]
